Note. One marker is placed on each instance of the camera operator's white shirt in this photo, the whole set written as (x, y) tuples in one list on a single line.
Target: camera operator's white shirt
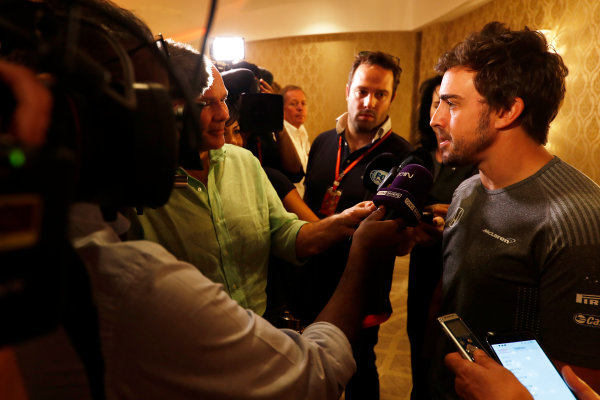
[(168, 332)]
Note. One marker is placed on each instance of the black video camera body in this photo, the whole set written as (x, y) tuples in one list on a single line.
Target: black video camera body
[(112, 141)]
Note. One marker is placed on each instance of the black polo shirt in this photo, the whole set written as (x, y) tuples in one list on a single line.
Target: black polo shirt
[(320, 276), (320, 170)]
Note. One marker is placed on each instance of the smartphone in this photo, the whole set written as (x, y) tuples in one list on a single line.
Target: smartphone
[(521, 353), (460, 334)]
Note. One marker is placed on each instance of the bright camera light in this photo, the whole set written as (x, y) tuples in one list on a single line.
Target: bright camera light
[(228, 49)]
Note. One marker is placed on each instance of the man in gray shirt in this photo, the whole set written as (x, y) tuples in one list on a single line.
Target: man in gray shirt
[(522, 239)]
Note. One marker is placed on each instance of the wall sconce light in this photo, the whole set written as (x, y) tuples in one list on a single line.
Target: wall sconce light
[(227, 49)]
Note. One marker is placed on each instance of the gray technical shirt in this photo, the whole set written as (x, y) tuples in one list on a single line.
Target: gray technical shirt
[(526, 257)]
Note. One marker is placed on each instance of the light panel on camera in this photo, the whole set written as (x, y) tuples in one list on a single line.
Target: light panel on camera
[(227, 49)]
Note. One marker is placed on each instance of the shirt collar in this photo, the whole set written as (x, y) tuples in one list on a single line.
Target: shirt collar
[(291, 129), (215, 156), (218, 155), (342, 124), (86, 218)]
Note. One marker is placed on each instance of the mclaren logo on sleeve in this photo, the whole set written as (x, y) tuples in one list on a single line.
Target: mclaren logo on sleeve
[(455, 218)]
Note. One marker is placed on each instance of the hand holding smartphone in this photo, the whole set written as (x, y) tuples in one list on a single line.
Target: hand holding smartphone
[(521, 354)]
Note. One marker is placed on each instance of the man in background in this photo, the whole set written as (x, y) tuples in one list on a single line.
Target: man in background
[(294, 115), (334, 181)]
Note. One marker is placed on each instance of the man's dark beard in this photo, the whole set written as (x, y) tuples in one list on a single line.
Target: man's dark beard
[(482, 141)]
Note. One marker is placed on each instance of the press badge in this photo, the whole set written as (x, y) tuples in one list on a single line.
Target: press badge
[(330, 201)]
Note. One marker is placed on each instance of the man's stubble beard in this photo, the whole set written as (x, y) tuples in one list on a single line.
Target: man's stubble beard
[(361, 129), (467, 153)]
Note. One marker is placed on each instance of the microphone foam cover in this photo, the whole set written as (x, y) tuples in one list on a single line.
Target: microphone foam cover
[(398, 204), (404, 197), (415, 179)]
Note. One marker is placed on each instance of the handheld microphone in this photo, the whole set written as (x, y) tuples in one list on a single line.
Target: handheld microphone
[(416, 157), (376, 173), (389, 178), (405, 197)]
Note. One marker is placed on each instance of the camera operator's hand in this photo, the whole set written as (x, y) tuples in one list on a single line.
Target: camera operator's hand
[(32, 114), (484, 379), (265, 87)]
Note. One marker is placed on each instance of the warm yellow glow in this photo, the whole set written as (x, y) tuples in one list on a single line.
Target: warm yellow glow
[(552, 36), (188, 36), (553, 134)]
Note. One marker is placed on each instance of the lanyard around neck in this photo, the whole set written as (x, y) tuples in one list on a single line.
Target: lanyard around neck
[(338, 176)]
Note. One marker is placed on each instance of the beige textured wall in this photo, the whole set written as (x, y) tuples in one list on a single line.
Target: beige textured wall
[(320, 65), (575, 133)]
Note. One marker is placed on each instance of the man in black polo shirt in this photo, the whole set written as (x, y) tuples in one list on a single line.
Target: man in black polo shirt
[(334, 182)]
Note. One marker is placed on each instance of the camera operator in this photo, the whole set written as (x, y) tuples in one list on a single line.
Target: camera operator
[(169, 332), (27, 125), (262, 123)]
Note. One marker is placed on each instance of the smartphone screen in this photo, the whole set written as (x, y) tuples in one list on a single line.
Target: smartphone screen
[(528, 362)]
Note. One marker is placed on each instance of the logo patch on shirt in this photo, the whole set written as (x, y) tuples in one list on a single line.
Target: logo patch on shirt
[(587, 320), (457, 216), (589, 299), (500, 238)]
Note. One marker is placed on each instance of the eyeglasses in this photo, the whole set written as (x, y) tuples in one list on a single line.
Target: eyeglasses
[(162, 44), (159, 41)]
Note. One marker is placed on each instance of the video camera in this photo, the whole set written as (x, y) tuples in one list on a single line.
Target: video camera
[(259, 113), (112, 141)]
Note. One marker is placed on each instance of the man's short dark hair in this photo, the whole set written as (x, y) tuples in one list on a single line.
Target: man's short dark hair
[(511, 64), (381, 59)]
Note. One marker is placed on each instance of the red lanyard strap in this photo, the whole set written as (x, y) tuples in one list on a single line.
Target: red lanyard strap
[(338, 176)]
